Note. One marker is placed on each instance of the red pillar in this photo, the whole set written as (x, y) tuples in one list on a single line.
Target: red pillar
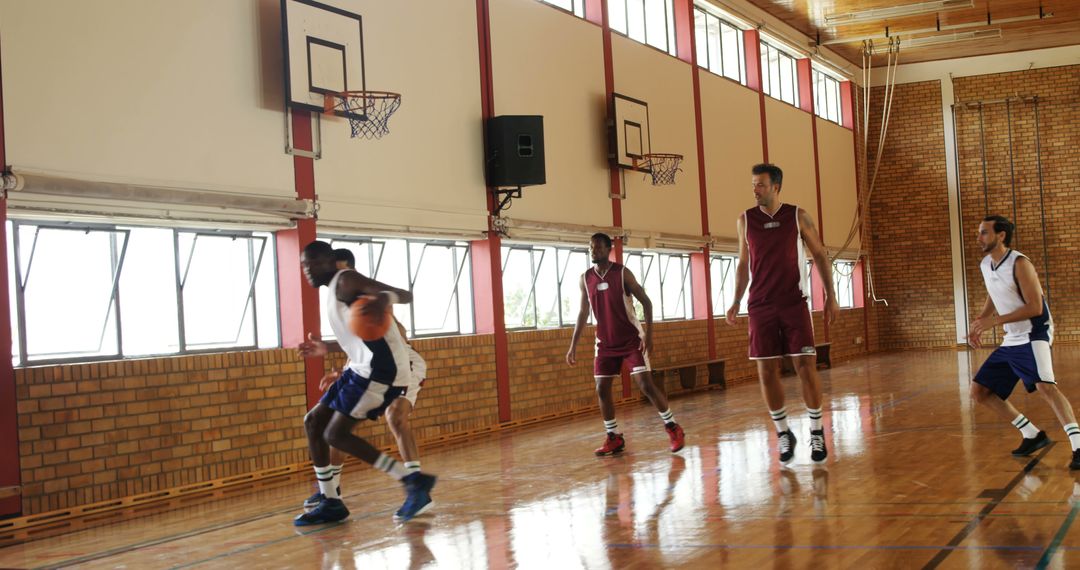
[(487, 254), (847, 104), (806, 103), (9, 426), (298, 301), (752, 49)]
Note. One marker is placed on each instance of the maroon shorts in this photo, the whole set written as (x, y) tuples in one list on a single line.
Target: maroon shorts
[(610, 364), (777, 331)]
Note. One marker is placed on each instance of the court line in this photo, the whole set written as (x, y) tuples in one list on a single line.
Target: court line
[(1048, 555), (1006, 548), (994, 502)]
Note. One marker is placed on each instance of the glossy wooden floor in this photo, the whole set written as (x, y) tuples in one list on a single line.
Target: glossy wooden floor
[(916, 478)]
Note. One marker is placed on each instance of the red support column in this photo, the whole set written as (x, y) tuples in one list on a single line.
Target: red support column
[(298, 301), (752, 45), (487, 254), (847, 104), (9, 427), (806, 103)]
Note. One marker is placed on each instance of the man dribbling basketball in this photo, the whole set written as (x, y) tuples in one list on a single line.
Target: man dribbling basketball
[(378, 373)]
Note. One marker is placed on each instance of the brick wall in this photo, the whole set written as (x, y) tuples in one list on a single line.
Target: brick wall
[(1005, 184), (910, 222), (92, 432)]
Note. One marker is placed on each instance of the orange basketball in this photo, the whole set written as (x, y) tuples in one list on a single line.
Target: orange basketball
[(368, 327)]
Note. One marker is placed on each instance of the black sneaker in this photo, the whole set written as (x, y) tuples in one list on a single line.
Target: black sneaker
[(1031, 445), (1075, 463), (328, 511), (786, 444), (818, 452)]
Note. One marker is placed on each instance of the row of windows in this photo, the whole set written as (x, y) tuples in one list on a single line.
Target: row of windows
[(85, 292), (720, 49)]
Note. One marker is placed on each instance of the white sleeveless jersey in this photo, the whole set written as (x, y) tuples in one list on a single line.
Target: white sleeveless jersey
[(385, 360), (1004, 290)]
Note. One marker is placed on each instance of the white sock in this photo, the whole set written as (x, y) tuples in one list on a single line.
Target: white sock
[(1027, 429), (611, 426), (325, 477), (667, 416), (779, 417), (815, 419), (412, 466), (335, 470), (390, 466), (1074, 435)]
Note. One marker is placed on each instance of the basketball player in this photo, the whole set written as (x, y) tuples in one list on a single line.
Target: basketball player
[(771, 240), (607, 288), (378, 373), (397, 414), (1015, 293)]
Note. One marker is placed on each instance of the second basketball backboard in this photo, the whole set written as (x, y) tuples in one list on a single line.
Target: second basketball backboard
[(324, 52), (630, 126)]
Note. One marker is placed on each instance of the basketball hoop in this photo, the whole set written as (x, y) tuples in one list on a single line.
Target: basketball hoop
[(661, 166), (367, 111)]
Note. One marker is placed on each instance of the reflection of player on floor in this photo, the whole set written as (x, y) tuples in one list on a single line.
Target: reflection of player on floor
[(397, 414), (771, 240), (378, 373), (1015, 292), (607, 288)]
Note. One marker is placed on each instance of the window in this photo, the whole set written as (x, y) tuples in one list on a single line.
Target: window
[(842, 276), (666, 279), (92, 292), (542, 285), (722, 268), (719, 46), (437, 273), (575, 7), (826, 97), (779, 76), (651, 22)]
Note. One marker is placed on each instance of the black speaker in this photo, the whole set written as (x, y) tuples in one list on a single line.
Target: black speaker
[(515, 153)]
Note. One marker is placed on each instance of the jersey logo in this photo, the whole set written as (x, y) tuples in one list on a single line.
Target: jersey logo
[(601, 286), (771, 225)]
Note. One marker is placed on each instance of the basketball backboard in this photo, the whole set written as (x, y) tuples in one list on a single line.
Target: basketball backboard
[(324, 52), (631, 129)]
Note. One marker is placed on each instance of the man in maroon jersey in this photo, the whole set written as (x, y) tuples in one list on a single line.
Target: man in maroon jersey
[(772, 237), (607, 288)]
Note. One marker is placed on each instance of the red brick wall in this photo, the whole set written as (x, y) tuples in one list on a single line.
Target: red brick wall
[(1058, 89), (910, 222), (92, 432)]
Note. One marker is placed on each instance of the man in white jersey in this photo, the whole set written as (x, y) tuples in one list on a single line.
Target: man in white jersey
[(397, 414), (1016, 295), (378, 373)]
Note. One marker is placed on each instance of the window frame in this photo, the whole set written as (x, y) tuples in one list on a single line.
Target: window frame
[(671, 40), (823, 86), (783, 59), (848, 301), (704, 41), (562, 273), (686, 282), (577, 7)]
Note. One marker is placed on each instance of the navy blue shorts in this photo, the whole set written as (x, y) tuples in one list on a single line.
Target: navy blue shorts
[(1028, 362), (359, 397)]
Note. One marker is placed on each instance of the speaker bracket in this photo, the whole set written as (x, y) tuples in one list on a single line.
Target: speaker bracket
[(503, 196)]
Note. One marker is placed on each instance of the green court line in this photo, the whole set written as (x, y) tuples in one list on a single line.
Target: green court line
[(1054, 544)]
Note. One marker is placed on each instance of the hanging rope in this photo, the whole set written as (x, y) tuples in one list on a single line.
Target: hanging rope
[(892, 60)]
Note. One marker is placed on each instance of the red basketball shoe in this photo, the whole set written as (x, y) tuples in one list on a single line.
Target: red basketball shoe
[(614, 443), (676, 435)]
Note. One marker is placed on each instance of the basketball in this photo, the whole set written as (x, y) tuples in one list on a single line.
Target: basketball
[(366, 327)]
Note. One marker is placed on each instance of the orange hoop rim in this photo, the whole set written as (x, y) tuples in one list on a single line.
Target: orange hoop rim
[(330, 99)]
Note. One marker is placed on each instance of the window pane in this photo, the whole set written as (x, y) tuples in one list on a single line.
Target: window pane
[(787, 75), (572, 265), (617, 15), (438, 268), (12, 301), (722, 276), (701, 38), (266, 298), (148, 313), (774, 74), (47, 269), (715, 57), (833, 100), (656, 23), (546, 288), (675, 275), (517, 288), (635, 19), (731, 38), (216, 274), (842, 281)]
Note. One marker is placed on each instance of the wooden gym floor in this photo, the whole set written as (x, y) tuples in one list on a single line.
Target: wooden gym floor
[(916, 478)]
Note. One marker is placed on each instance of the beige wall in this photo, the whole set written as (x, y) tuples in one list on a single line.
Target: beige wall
[(791, 147), (731, 120), (666, 84), (428, 172), (152, 91), (839, 196), (562, 80)]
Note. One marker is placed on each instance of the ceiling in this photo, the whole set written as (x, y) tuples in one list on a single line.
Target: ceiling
[(808, 16)]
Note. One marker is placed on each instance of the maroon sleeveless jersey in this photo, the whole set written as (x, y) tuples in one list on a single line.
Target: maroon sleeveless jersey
[(777, 258), (617, 328)]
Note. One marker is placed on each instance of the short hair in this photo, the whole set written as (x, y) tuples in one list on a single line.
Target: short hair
[(776, 176), (1002, 224), (604, 238), (345, 255), (318, 248)]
